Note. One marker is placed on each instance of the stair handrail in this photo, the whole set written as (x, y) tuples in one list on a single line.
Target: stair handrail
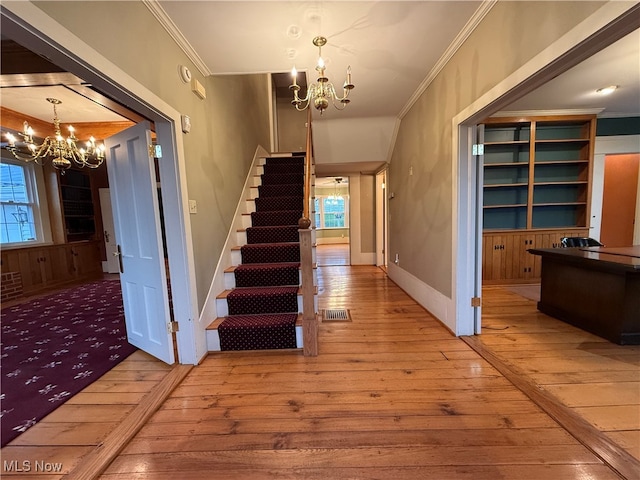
[(309, 318)]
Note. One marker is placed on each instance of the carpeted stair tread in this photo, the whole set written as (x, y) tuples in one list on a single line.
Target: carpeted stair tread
[(283, 168), (286, 160), (269, 204), (267, 274), (257, 300), (258, 332), (273, 234), (276, 190), (270, 252), (275, 218), (282, 178)]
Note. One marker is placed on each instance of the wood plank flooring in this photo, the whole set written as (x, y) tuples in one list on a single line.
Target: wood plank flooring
[(392, 394), (597, 379)]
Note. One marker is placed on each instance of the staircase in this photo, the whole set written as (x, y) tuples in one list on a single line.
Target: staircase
[(261, 306)]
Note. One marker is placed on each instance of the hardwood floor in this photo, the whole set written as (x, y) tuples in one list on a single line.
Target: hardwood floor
[(597, 379), (332, 254), (392, 394)]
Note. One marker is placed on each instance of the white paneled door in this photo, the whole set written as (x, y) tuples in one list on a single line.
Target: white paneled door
[(136, 216)]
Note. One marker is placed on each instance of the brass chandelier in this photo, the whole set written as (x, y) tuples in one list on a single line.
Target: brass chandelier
[(64, 152), (323, 91)]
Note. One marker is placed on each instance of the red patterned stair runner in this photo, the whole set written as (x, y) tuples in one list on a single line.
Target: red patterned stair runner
[(263, 308)]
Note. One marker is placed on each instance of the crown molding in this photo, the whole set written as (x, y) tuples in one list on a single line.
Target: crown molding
[(547, 113), (177, 35), (457, 42)]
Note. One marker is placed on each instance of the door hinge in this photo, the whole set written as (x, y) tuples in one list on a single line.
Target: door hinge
[(155, 151), (476, 302), (477, 149), (173, 327)]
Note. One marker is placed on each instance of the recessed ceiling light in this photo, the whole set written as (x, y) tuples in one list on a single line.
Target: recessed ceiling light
[(607, 90)]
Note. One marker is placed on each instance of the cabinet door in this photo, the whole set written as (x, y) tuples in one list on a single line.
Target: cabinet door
[(493, 257), (86, 259), (34, 268), (59, 259)]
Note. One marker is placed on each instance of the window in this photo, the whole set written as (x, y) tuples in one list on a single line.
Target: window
[(19, 219), (332, 211)]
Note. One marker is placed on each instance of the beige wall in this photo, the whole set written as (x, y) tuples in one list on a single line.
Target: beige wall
[(420, 229), (292, 128), (367, 214), (227, 126)]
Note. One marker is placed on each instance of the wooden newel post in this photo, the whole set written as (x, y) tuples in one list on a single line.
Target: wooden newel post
[(309, 319)]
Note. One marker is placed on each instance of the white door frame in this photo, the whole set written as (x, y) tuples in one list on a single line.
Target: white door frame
[(33, 28), (608, 24)]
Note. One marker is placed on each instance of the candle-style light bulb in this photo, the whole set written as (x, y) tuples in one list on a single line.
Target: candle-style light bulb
[(294, 74)]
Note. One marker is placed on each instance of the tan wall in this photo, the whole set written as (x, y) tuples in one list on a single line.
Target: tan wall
[(227, 126), (420, 229), (367, 214), (292, 130)]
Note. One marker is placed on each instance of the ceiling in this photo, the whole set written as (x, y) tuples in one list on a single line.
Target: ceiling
[(392, 47)]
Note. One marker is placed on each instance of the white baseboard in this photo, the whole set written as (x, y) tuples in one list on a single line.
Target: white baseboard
[(439, 305)]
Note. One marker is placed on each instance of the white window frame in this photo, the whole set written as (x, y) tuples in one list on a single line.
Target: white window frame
[(320, 211), (34, 182)]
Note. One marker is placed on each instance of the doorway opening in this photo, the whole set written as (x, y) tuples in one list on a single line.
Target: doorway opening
[(44, 37), (331, 219)]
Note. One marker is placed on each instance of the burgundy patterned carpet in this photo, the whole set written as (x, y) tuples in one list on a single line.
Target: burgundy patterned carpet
[(263, 307), (54, 346)]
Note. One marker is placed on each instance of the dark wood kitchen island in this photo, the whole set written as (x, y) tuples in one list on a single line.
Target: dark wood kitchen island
[(593, 288)]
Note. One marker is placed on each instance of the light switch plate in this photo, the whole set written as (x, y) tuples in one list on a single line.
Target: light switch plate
[(186, 123), (193, 207)]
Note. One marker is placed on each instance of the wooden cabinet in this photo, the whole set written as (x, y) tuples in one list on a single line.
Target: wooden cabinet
[(50, 266), (505, 256), (537, 180)]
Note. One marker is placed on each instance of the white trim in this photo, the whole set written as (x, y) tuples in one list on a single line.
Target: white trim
[(542, 113), (457, 42), (438, 305), (177, 36), (611, 145), (535, 71)]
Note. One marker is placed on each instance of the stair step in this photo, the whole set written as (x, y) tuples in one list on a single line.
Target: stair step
[(272, 234), (258, 332), (276, 190), (270, 252), (222, 304), (275, 218), (267, 274), (256, 300), (282, 178), (279, 203), (230, 279), (213, 334)]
